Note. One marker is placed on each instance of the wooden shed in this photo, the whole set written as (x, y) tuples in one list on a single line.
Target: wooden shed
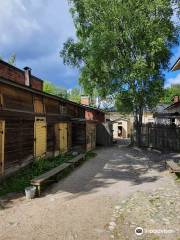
[(34, 124), (83, 135)]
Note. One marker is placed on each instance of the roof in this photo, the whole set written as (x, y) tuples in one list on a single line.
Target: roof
[(176, 66), (120, 119), (176, 104), (160, 108), (167, 115), (29, 89)]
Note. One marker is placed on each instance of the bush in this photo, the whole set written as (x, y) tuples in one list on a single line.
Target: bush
[(20, 180)]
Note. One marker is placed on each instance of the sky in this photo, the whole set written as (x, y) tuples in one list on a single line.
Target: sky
[(36, 29)]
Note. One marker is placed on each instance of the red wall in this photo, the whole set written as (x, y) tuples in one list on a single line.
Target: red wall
[(12, 73), (94, 115)]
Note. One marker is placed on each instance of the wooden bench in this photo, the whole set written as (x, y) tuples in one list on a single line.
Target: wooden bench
[(76, 159), (45, 177), (173, 166)]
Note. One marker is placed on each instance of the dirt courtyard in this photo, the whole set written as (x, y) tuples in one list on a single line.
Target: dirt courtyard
[(81, 205)]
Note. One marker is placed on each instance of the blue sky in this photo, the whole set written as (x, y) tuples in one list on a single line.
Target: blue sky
[(35, 30)]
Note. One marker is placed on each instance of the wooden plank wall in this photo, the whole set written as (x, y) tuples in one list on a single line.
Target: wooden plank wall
[(19, 141), (19, 108), (162, 137), (90, 136), (79, 134)]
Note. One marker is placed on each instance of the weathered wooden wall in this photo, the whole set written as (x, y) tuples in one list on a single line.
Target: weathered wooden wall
[(19, 141), (79, 134), (162, 137), (90, 136), (19, 108), (104, 134)]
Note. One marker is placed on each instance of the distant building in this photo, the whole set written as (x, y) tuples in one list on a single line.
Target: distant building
[(104, 133), (122, 124), (170, 114)]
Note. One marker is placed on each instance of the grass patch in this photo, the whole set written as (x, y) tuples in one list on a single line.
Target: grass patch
[(20, 180), (178, 177), (90, 154)]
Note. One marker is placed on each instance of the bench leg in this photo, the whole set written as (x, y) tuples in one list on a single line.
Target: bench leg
[(39, 190)]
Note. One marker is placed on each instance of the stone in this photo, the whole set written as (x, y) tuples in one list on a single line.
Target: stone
[(74, 153)]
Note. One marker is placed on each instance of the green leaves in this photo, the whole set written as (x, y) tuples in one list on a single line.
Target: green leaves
[(11, 60), (170, 92), (73, 94), (50, 88), (122, 47)]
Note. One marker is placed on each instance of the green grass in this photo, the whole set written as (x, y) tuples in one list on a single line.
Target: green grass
[(90, 155), (21, 179), (178, 174)]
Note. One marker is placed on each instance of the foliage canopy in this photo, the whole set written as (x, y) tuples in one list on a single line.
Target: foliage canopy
[(122, 48), (73, 94), (170, 92)]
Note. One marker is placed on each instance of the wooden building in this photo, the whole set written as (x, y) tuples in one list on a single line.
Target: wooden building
[(34, 124)]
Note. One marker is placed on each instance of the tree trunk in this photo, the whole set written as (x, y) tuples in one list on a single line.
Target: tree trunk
[(139, 126), (138, 114)]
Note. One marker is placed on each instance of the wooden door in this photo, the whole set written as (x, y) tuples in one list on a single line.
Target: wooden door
[(63, 137), (2, 134), (40, 140)]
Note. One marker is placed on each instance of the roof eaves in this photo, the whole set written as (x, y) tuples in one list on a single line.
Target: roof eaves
[(173, 67), (17, 85)]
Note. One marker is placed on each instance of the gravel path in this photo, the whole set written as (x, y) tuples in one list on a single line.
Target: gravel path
[(80, 206), (156, 213)]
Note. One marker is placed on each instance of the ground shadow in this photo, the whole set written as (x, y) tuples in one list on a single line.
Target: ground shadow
[(118, 163), (10, 199), (113, 164)]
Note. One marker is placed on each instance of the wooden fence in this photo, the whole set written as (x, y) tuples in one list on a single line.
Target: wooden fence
[(162, 137)]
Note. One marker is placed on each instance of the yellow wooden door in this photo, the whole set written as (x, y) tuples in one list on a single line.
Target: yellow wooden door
[(63, 141), (40, 133), (2, 133)]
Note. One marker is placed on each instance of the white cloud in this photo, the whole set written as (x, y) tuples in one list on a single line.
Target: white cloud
[(175, 80), (35, 30)]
